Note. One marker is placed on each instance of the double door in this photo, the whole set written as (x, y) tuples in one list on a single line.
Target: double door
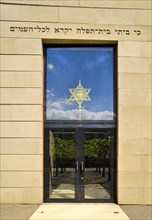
[(79, 164)]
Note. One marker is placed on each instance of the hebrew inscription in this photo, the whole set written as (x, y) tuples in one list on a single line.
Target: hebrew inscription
[(78, 30), (92, 31), (30, 29), (64, 30)]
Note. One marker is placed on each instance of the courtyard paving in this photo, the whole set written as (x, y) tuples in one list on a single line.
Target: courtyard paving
[(79, 211), (24, 212)]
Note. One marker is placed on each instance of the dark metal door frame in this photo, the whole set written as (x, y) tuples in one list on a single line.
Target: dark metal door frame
[(79, 193)]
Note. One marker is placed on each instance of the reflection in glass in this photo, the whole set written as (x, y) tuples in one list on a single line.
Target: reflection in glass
[(62, 162), (97, 165), (65, 69), (79, 161)]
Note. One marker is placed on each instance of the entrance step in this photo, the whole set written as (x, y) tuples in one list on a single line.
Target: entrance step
[(79, 211)]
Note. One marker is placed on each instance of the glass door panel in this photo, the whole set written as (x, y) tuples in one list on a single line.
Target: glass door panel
[(80, 164), (79, 83), (97, 176), (62, 164)]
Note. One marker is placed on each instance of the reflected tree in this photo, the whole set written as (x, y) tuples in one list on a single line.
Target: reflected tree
[(98, 150), (64, 150)]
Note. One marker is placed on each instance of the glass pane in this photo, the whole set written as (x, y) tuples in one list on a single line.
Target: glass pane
[(62, 163), (79, 83), (97, 164)]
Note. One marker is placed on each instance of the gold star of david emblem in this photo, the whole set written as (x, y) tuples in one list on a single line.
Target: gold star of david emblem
[(80, 94)]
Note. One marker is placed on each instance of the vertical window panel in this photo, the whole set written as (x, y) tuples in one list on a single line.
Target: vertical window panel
[(79, 83)]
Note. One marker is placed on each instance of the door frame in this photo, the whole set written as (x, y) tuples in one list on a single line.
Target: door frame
[(87, 124)]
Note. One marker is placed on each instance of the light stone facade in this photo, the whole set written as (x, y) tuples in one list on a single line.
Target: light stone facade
[(26, 25)]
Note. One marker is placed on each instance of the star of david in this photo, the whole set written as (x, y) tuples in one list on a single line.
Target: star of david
[(80, 94)]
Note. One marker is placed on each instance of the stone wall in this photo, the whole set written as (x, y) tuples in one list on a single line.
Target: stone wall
[(28, 24)]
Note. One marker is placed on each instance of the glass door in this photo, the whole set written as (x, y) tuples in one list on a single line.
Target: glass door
[(61, 164), (80, 114), (79, 165), (99, 165)]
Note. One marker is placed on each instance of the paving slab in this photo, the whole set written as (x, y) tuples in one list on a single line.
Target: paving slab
[(138, 212), (17, 212), (79, 211)]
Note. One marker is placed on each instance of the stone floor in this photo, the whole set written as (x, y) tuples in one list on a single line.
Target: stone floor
[(24, 212), (79, 211), (138, 212), (92, 191)]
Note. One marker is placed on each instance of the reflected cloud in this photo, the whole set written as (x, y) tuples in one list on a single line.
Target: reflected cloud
[(59, 114), (60, 110), (50, 66), (60, 104), (49, 93)]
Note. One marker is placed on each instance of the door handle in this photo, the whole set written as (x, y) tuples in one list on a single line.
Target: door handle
[(77, 165), (82, 166)]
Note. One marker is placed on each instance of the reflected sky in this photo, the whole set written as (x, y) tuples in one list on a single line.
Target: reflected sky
[(64, 68)]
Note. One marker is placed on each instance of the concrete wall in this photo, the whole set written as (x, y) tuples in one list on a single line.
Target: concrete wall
[(25, 26)]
